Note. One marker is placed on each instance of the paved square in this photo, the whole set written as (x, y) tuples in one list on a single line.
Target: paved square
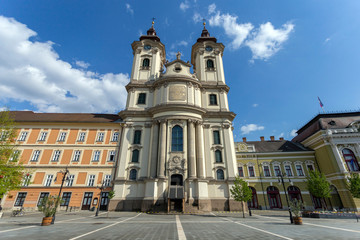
[(215, 225)]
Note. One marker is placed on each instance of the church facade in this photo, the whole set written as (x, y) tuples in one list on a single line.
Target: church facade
[(172, 147)]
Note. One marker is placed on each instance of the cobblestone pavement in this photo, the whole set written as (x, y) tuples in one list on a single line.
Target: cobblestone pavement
[(215, 225)]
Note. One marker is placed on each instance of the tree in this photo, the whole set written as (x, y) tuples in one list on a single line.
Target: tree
[(241, 192), (354, 185), (11, 171), (318, 186)]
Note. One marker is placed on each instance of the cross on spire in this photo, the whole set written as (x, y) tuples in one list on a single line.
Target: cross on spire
[(153, 21), (204, 22)]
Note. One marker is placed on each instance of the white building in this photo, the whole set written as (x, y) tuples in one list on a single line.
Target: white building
[(177, 148)]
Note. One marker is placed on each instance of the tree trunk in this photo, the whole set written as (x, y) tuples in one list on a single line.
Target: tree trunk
[(243, 210)]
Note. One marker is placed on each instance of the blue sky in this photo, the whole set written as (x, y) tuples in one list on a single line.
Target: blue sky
[(75, 56)]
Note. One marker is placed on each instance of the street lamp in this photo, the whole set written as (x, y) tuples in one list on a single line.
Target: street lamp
[(64, 172), (98, 205), (281, 179)]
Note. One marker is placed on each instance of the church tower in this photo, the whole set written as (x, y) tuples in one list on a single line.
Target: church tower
[(177, 148)]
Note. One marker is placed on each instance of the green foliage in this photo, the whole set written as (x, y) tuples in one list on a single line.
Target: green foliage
[(296, 206), (354, 185), (11, 171), (111, 194), (49, 204), (317, 185), (240, 191)]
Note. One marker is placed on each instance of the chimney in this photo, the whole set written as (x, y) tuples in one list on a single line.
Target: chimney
[(262, 138), (281, 138), (272, 138), (244, 139)]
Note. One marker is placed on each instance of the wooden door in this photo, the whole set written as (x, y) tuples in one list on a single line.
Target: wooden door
[(87, 201)]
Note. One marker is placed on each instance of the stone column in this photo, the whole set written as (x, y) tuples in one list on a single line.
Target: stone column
[(200, 150), (153, 157), (191, 147), (162, 148)]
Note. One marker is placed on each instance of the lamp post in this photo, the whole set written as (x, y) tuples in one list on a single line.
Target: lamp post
[(281, 179), (98, 205), (65, 172)]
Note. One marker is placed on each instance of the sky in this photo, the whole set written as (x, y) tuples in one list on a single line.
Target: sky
[(280, 56)]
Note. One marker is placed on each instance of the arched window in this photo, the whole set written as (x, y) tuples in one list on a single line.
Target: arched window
[(218, 157), (220, 174), (350, 160), (253, 203), (177, 139), (133, 174), (274, 197), (135, 156), (294, 193), (146, 62), (210, 64)]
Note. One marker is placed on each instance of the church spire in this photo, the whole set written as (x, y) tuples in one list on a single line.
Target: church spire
[(151, 33), (205, 35)]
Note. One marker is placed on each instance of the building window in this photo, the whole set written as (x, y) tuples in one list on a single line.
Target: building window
[(23, 136), (218, 156), (26, 180), (288, 171), (141, 98), (210, 64), (70, 180), (266, 171), (277, 170), (350, 160), (111, 156), (135, 156), (219, 174), (133, 174), (107, 180), (100, 137), (96, 156), (66, 199), (91, 180), (20, 199), (115, 137), (213, 99), (216, 137), (35, 156), (82, 137), (251, 171), (137, 137), (273, 197), (177, 139), (76, 156), (43, 195), (14, 156), (62, 137), (56, 156), (146, 63), (299, 170), (294, 193), (48, 180), (241, 171), (43, 136), (253, 203)]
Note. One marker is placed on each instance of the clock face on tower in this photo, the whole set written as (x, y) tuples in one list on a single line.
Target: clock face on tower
[(208, 48), (147, 47)]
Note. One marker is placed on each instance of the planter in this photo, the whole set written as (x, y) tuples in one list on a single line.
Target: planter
[(46, 221), (297, 220)]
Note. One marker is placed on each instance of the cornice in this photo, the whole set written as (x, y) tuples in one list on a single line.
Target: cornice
[(228, 115), (179, 107)]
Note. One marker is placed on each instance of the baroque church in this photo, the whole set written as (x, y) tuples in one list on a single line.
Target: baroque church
[(172, 147)]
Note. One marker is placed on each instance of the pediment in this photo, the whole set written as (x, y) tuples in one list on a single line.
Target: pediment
[(178, 67)]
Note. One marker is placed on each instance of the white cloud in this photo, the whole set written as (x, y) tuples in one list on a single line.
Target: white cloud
[(246, 129), (293, 133), (179, 43), (267, 40), (184, 5), (255, 105), (129, 9), (238, 32), (327, 40), (197, 17), (82, 64), (211, 8), (281, 135), (32, 71)]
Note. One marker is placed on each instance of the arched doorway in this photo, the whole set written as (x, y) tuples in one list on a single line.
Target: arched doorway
[(177, 179), (274, 197), (253, 203), (294, 193), (176, 193), (335, 198)]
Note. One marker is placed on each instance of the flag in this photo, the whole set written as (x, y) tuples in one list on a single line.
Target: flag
[(321, 104)]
